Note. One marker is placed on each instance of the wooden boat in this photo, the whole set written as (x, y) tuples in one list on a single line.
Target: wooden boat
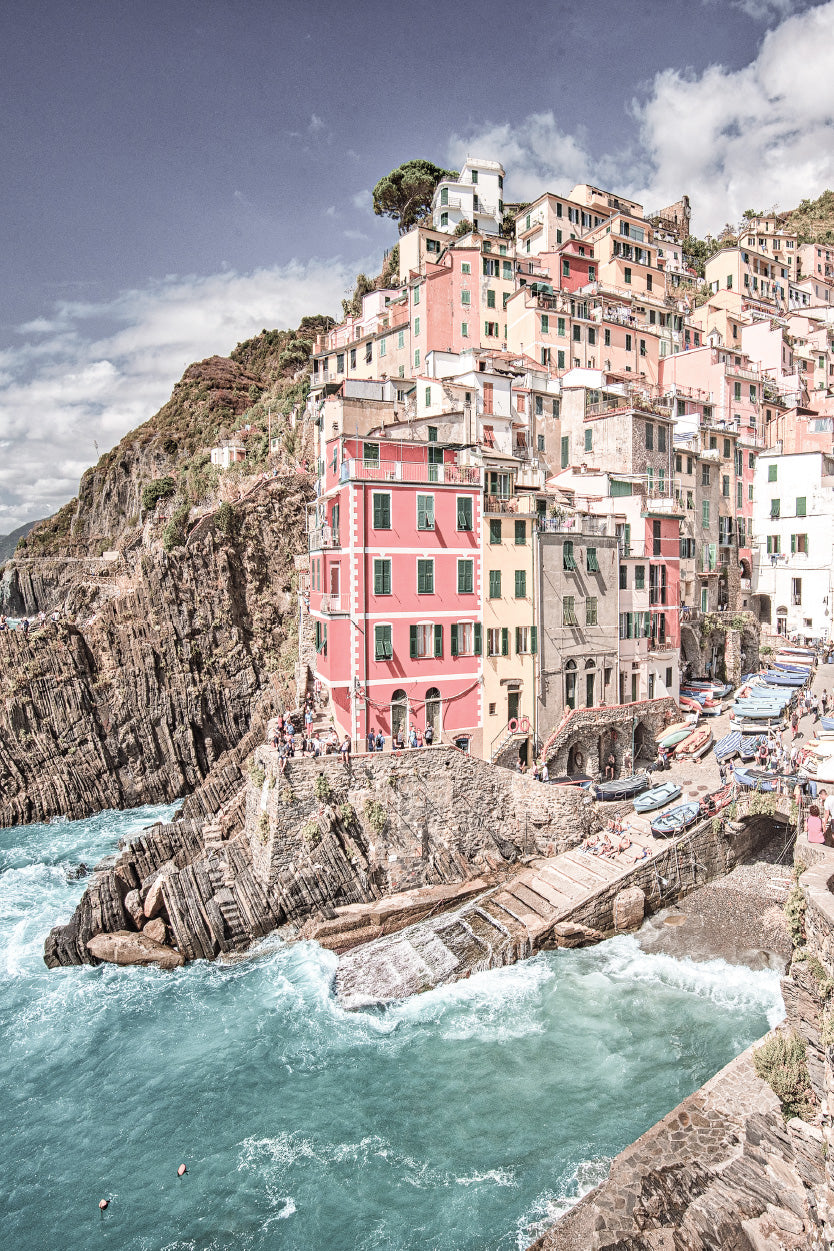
[(711, 804), (622, 788), (727, 746), (676, 820), (577, 779), (712, 709), (696, 745), (778, 677), (673, 737), (657, 796), (718, 690), (827, 723), (689, 705), (755, 779)]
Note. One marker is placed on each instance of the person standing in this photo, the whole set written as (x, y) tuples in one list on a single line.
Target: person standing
[(371, 739)]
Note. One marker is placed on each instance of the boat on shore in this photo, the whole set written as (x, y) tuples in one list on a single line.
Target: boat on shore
[(696, 745), (676, 820), (657, 797), (728, 746), (622, 788)]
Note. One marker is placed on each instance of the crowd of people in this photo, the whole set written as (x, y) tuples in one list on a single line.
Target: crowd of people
[(376, 740), (23, 625)]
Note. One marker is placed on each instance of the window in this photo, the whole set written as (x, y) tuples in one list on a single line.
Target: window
[(490, 299), (560, 359), (425, 512), (465, 639), (444, 219), (607, 338), (425, 577), (560, 327), (521, 583), (383, 646), (774, 544), (465, 298), (464, 329), (495, 584), (507, 270), (589, 439), (428, 397), (466, 577), (417, 359), (382, 577), (444, 195), (799, 543), (340, 360), (705, 514), (525, 640), (775, 508), (627, 274), (568, 611), (800, 506), (432, 432), (726, 449), (577, 334), (466, 268), (545, 324), (623, 577), (649, 436), (421, 642), (565, 445), (464, 511), (639, 577), (321, 637), (493, 646), (725, 485), (661, 438), (591, 610), (491, 329), (416, 295), (705, 475), (643, 348), (591, 562), (568, 561), (520, 533), (370, 455), (772, 471), (796, 592), (353, 358), (494, 530), (736, 390), (382, 510)]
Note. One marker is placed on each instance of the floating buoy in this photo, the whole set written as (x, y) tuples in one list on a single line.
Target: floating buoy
[(181, 1171), (102, 1203)]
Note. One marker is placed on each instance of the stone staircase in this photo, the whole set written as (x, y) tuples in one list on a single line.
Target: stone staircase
[(499, 927)]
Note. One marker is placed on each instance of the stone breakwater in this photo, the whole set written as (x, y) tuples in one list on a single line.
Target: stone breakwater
[(291, 846)]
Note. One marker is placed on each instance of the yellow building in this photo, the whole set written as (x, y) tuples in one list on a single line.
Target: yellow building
[(510, 634)]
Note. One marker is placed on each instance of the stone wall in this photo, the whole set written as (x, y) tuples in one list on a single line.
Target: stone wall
[(429, 815), (593, 732)]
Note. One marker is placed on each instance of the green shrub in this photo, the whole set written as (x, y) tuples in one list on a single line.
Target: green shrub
[(226, 519), (346, 814), (795, 909), (322, 788), (310, 833), (287, 795), (782, 1064), (256, 773), (156, 490), (263, 827), (174, 533), (375, 815)]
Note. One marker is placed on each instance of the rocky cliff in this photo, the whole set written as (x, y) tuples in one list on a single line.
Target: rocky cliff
[(165, 678)]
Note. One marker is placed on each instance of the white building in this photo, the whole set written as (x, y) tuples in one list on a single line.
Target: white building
[(476, 197), (229, 453), (793, 534)]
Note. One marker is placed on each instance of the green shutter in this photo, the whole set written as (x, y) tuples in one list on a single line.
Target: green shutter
[(495, 584), (793, 544), (495, 530), (476, 632), (800, 506), (518, 640), (534, 640), (565, 451), (412, 641), (520, 533), (505, 642), (453, 640), (520, 584), (438, 640)]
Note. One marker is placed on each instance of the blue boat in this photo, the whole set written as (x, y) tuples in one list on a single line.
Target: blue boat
[(676, 820), (727, 746), (750, 744), (657, 797), (622, 788), (827, 723), (755, 779), (783, 668), (776, 677)]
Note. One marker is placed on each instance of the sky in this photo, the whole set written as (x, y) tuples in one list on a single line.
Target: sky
[(179, 174)]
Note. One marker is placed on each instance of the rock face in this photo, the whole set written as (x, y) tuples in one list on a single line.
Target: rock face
[(123, 947), (629, 909), (176, 667)]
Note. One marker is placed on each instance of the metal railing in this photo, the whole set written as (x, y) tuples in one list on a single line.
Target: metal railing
[(411, 471), (323, 537), (333, 605)]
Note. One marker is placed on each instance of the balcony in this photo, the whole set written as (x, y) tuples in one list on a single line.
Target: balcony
[(410, 471), (322, 538), (335, 605), (573, 525)]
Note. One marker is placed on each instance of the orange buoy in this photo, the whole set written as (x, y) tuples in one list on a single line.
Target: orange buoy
[(102, 1203), (181, 1171)]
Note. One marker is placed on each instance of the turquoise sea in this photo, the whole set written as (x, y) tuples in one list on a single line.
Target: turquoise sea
[(466, 1118)]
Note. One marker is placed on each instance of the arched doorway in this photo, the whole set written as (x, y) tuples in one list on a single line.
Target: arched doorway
[(577, 760), (433, 711), (763, 608), (590, 683), (782, 619), (399, 713), (570, 684)]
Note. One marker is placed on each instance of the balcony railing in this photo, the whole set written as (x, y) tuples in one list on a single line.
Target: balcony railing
[(411, 471), (573, 525), (323, 537), (333, 605)]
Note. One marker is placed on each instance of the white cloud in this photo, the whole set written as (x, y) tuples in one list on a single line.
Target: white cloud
[(66, 387), (764, 10), (316, 124), (731, 139), (362, 200)]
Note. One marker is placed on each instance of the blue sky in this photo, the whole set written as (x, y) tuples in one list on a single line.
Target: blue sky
[(178, 175)]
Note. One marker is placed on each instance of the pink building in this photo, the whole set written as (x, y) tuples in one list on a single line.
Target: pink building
[(395, 589)]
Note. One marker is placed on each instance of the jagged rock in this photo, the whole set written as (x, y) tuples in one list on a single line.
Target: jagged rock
[(157, 930), (124, 947), (133, 908), (629, 909), (154, 898), (571, 934)]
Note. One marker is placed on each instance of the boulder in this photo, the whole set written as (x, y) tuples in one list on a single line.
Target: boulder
[(629, 909), (157, 930), (133, 908), (124, 947), (571, 934), (154, 900)]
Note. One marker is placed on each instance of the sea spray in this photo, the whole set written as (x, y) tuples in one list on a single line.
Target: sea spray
[(463, 1118)]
